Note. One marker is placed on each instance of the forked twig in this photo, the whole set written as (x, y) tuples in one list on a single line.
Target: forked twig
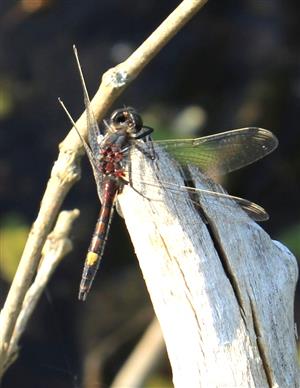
[(57, 246), (66, 171)]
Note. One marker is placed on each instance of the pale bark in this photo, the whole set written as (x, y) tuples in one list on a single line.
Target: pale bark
[(223, 291)]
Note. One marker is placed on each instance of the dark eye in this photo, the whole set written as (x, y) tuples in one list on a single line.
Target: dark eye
[(119, 118)]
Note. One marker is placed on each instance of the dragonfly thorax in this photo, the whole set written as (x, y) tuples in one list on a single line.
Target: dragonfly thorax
[(111, 159)]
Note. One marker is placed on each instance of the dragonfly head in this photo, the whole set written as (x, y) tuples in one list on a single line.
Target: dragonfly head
[(128, 119)]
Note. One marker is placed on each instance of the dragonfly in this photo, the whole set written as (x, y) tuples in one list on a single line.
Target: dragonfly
[(109, 150)]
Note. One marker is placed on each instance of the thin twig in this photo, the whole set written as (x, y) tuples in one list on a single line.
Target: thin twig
[(66, 170), (57, 246), (143, 359)]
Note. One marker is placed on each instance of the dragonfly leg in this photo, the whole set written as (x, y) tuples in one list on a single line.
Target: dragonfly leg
[(150, 153), (143, 133)]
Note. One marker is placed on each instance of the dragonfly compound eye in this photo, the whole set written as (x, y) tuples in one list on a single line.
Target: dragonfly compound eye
[(136, 121), (119, 117), (127, 117)]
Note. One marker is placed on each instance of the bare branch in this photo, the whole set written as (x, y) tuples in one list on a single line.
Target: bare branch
[(66, 170)]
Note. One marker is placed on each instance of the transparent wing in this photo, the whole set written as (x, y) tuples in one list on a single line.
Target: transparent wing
[(214, 155), (221, 153), (94, 134), (256, 212), (93, 130)]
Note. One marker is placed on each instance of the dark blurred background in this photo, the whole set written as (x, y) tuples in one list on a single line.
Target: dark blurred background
[(235, 64)]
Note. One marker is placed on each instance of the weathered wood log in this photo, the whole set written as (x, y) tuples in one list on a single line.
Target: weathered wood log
[(222, 289)]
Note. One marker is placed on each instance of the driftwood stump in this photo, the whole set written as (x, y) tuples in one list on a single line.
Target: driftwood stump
[(222, 289)]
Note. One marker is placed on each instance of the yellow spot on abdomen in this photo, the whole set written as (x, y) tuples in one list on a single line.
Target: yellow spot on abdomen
[(91, 258)]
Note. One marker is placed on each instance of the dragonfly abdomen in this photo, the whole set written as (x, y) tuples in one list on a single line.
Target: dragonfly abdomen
[(97, 245)]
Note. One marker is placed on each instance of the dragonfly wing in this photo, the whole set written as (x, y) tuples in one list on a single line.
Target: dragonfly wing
[(91, 156), (94, 134), (119, 210), (95, 166), (256, 212), (221, 153), (142, 180), (216, 192)]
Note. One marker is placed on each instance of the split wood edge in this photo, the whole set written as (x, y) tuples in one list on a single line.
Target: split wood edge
[(222, 290)]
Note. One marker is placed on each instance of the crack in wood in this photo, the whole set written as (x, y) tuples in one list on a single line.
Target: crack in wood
[(260, 346), (235, 288), (224, 261), (226, 267), (217, 245)]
